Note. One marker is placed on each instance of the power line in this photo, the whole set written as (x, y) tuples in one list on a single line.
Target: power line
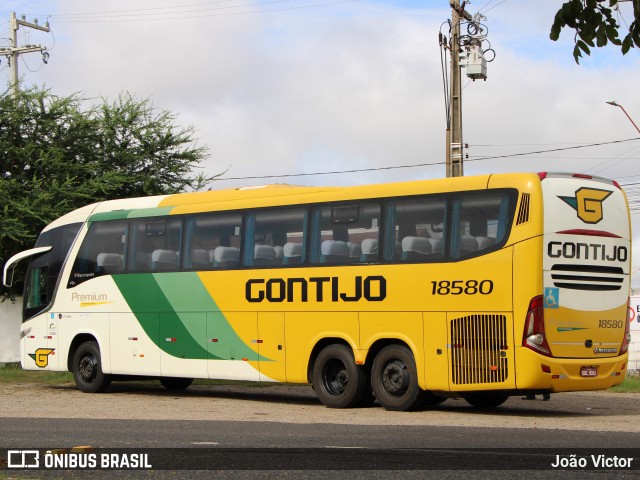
[(182, 16), (575, 147), (430, 164)]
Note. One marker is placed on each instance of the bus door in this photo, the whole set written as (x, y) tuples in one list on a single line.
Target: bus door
[(40, 340)]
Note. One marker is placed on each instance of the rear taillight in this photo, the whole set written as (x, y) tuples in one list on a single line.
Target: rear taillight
[(626, 340), (534, 335)]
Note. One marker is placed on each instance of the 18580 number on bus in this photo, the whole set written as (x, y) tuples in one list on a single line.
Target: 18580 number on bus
[(461, 287)]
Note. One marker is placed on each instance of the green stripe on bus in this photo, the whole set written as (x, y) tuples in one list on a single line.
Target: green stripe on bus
[(115, 215), (131, 213), (187, 316)]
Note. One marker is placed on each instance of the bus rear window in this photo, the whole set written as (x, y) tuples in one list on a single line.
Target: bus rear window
[(480, 222)]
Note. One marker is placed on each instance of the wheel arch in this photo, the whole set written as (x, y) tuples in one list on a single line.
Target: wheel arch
[(318, 347), (379, 344), (78, 340)]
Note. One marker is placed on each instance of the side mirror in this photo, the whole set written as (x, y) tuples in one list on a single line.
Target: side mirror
[(8, 276)]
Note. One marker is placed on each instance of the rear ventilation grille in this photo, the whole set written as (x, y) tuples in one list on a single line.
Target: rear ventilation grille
[(478, 349), (523, 212), (587, 277)]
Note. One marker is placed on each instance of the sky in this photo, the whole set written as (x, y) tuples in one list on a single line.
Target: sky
[(281, 87)]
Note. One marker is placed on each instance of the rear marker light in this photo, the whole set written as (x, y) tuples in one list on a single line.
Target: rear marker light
[(534, 335), (546, 368), (626, 340)]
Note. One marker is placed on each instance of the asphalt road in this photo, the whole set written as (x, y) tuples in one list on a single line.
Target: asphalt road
[(283, 432)]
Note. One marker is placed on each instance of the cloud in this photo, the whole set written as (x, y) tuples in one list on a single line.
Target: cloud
[(350, 86)]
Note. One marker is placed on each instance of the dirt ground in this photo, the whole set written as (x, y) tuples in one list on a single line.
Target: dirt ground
[(597, 411)]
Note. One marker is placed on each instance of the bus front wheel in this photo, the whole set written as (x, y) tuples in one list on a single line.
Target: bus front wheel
[(337, 380), (87, 369), (394, 379)]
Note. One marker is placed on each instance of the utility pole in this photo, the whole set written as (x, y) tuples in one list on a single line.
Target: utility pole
[(454, 131), (14, 51)]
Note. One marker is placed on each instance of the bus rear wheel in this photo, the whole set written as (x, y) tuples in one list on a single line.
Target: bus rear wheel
[(394, 379), (176, 383), (337, 380), (486, 399), (87, 369)]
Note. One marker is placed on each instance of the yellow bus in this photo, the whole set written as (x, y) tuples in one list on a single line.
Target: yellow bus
[(404, 293)]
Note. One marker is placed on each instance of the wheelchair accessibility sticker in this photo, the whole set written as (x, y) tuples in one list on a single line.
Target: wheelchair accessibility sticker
[(551, 297)]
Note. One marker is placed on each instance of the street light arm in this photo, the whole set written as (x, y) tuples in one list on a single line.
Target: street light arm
[(613, 102)]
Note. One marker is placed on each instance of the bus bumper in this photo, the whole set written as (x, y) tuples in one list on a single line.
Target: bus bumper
[(537, 372)]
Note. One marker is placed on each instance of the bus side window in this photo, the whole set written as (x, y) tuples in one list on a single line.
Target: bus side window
[(415, 230), (212, 241), (480, 223), (345, 234), (155, 245), (275, 237), (102, 251)]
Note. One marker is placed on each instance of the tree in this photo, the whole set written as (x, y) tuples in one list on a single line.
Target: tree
[(595, 25), (56, 156)]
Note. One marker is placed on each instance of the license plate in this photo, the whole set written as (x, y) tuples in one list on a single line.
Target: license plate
[(588, 371)]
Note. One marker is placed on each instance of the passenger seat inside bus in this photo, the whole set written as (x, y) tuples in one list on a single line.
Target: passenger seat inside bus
[(200, 259), (485, 242), (334, 251), (278, 252), (468, 245), (369, 248), (355, 252), (292, 253), (415, 248), (264, 255), (164, 261), (437, 247), (109, 263), (225, 257)]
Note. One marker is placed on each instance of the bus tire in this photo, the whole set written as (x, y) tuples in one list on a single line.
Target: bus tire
[(176, 383), (337, 380), (87, 369), (394, 379), (486, 399)]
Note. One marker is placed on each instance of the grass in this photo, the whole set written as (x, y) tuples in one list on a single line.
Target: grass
[(13, 373), (631, 383)]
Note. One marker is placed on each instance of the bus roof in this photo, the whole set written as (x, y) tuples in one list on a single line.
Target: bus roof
[(273, 195)]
